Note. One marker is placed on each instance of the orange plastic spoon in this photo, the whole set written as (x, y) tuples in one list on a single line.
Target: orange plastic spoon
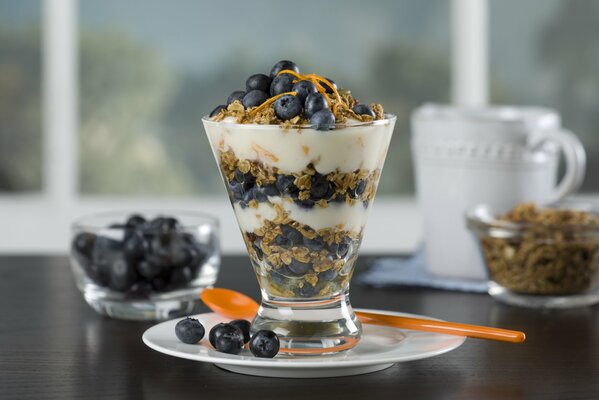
[(235, 305)]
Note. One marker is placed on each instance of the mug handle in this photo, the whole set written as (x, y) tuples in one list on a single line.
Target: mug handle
[(574, 155)]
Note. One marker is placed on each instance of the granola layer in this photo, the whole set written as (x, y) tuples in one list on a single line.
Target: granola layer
[(307, 187), (294, 260)]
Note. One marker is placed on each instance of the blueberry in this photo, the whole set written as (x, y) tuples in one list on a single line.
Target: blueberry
[(189, 330), (356, 192), (227, 339), (308, 203), (126, 231), (148, 270), (299, 268), (341, 249), (135, 221), (265, 344), (215, 332), (122, 274), (257, 248), (135, 247), (281, 240), (164, 227), (159, 283), (305, 291), (315, 244), (287, 107), (277, 277), (286, 185), (323, 120), (283, 65), (139, 290), (303, 89), (197, 255), (255, 193), (327, 275), (271, 190), (254, 98), (320, 186), (83, 244), (328, 85), (246, 179), (236, 189), (360, 187), (217, 110), (236, 95), (244, 327), (172, 253), (363, 109), (105, 251), (281, 84), (294, 236), (315, 102), (180, 277), (258, 82)]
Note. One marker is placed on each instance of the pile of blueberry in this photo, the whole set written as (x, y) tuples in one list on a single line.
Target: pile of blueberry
[(243, 189), (152, 256), (230, 337), (308, 101)]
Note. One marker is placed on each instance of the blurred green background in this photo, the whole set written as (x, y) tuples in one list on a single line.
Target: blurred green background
[(149, 70)]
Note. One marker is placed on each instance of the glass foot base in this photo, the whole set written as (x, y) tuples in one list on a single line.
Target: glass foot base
[(310, 327), (543, 301), (146, 310)]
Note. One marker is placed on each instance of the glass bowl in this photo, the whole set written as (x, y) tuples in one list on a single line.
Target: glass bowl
[(539, 265), (145, 266)]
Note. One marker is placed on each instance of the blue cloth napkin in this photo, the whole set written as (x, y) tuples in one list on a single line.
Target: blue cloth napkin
[(411, 271)]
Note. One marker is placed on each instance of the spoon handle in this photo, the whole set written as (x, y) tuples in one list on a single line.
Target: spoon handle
[(450, 328)]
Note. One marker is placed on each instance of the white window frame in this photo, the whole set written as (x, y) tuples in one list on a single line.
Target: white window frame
[(40, 223)]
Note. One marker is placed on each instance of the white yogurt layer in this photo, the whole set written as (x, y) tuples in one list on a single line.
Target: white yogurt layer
[(291, 150), (336, 215)]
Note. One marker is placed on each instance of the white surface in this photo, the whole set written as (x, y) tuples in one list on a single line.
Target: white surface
[(465, 157), (379, 348)]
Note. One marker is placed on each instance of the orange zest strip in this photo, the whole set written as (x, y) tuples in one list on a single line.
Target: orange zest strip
[(270, 101), (316, 80), (290, 72)]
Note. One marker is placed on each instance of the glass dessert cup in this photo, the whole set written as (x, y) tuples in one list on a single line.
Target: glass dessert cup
[(539, 266), (162, 280), (302, 198)]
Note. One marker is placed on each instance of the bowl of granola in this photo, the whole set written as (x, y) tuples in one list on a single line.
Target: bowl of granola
[(544, 257)]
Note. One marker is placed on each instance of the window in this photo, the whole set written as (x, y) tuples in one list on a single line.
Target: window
[(100, 101), (146, 78), (544, 52), (20, 96)]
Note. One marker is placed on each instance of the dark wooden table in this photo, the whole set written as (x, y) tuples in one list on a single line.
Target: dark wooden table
[(52, 345)]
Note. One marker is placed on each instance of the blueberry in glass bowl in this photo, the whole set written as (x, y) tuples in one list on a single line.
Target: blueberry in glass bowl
[(145, 266)]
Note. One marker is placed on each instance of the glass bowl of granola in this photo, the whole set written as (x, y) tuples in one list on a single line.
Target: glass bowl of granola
[(540, 257), (301, 165)]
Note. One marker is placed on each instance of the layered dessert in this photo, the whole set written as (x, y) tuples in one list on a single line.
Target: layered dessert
[(301, 160)]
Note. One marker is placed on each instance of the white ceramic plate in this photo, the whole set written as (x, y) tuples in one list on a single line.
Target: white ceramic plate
[(379, 348)]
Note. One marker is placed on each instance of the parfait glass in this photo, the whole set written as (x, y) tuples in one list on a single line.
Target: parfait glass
[(301, 198)]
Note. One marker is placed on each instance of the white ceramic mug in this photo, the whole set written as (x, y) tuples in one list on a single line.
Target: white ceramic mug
[(495, 155)]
